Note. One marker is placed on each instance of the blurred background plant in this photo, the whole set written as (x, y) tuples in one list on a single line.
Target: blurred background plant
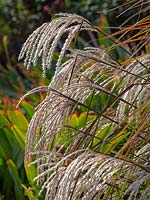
[(17, 20)]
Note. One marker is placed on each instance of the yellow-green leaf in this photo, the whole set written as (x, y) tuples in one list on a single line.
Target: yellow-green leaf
[(18, 119)]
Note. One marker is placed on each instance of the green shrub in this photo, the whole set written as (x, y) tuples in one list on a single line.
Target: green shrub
[(16, 180)]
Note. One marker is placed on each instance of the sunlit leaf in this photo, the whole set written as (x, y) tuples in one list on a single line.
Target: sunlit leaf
[(30, 171), (28, 109), (19, 135), (29, 193), (18, 119)]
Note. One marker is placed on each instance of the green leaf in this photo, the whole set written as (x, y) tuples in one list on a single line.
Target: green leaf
[(18, 119), (102, 132), (17, 181), (5, 148), (84, 118), (113, 142), (104, 25), (19, 135), (29, 193), (1, 161), (28, 108), (73, 120), (9, 134), (30, 171), (4, 121), (7, 185), (18, 155)]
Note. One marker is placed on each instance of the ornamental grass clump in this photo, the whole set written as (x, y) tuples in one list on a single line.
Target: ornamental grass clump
[(89, 137)]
